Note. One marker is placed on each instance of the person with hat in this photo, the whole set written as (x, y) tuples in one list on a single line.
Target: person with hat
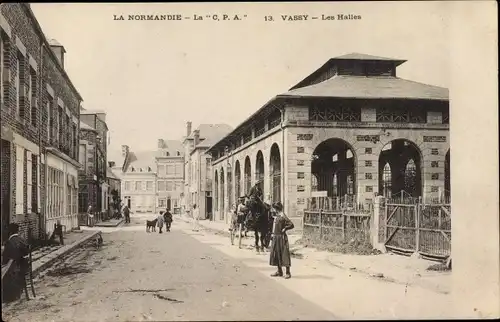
[(16, 249), (280, 248)]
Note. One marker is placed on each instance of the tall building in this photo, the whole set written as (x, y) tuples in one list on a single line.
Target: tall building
[(40, 122), (93, 186), (197, 165), (170, 175)]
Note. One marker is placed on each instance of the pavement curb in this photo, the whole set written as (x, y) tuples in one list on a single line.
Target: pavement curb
[(49, 259)]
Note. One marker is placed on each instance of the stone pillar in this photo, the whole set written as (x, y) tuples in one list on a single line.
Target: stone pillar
[(375, 225), (267, 176), (367, 176)]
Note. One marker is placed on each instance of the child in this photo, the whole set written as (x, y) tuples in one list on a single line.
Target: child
[(160, 221)]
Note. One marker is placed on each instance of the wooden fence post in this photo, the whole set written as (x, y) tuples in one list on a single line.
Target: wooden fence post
[(343, 225), (321, 224), (385, 219), (417, 226)]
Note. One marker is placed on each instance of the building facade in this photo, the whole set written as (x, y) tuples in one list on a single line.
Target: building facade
[(93, 185), (114, 191), (40, 125), (138, 180), (170, 175), (351, 129), (197, 165)]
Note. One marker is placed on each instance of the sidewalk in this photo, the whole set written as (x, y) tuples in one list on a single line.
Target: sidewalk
[(387, 267), (110, 223)]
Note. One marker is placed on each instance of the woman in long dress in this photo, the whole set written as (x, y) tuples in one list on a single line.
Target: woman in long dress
[(15, 249), (280, 249)]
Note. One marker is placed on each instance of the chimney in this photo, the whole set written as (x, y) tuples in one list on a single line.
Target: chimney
[(196, 134), (161, 144), (188, 128), (125, 150), (58, 49)]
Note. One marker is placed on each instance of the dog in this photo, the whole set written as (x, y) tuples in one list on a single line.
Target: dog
[(151, 224), (98, 241)]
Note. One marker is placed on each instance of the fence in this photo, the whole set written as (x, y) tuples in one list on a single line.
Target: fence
[(336, 220), (416, 227)]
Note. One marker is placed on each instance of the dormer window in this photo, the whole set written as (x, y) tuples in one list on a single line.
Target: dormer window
[(178, 153), (168, 154), (149, 169), (140, 170), (132, 169)]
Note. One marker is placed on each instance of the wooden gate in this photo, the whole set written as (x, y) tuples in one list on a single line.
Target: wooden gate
[(418, 227)]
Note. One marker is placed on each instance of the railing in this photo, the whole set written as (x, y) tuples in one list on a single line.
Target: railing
[(336, 220), (419, 227)]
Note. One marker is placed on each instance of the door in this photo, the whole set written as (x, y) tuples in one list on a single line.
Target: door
[(5, 188), (209, 208), (169, 204), (128, 203)]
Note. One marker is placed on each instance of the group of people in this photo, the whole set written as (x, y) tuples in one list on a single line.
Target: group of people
[(164, 218), (280, 247)]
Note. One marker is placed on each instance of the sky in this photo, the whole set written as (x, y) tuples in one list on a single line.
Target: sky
[(151, 77)]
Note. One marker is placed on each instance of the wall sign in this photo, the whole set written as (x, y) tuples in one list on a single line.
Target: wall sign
[(300, 175), (368, 138), (434, 138), (301, 188), (300, 162), (304, 137), (434, 151)]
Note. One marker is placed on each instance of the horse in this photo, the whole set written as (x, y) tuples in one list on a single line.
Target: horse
[(258, 219)]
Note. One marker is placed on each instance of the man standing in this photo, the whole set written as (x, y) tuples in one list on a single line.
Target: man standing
[(126, 213), (196, 217), (90, 215), (15, 249), (168, 219)]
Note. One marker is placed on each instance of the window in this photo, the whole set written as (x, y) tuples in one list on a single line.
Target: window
[(161, 169), (161, 203), (170, 169), (2, 66), (60, 125), (178, 154), (127, 185), (75, 141), (29, 181), (169, 186), (161, 185), (50, 120), (31, 96), (138, 185), (17, 84), (82, 158), (19, 183), (149, 185)]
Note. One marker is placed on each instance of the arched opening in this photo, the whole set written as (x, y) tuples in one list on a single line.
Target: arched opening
[(333, 168), (237, 179), (386, 181), (259, 171), (447, 185), (216, 191), (400, 171), (275, 173), (229, 187), (222, 188), (248, 175)]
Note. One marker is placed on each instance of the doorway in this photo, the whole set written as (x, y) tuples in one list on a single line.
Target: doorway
[(128, 202), (169, 204), (209, 208), (5, 200)]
